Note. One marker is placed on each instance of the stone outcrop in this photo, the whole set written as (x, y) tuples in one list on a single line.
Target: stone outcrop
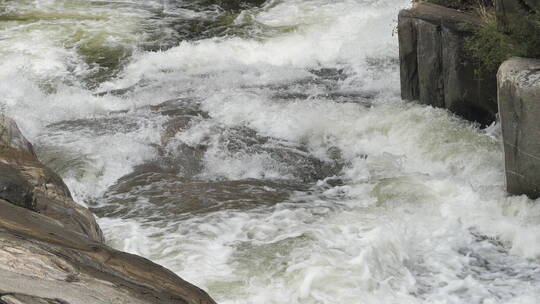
[(436, 70), (28, 183), (519, 106), (52, 250), (40, 259), (11, 136)]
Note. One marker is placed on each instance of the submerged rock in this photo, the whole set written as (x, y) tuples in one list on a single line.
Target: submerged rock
[(53, 251), (150, 194), (519, 105)]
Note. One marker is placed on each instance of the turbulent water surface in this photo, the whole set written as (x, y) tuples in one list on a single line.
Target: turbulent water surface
[(260, 150)]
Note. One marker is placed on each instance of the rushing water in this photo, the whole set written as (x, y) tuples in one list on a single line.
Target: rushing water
[(261, 151)]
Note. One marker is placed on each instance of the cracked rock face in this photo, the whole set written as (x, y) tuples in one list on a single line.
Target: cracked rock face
[(52, 250), (519, 108), (436, 70)]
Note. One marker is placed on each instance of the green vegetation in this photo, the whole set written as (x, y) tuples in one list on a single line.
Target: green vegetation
[(498, 38), (493, 43)]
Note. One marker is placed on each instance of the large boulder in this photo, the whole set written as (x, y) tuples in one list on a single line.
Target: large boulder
[(519, 108), (436, 70), (40, 262)]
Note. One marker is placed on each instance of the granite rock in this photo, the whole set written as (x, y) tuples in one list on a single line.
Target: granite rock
[(519, 104)]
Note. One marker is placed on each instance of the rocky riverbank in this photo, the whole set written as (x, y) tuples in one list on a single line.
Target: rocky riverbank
[(437, 70), (52, 250)]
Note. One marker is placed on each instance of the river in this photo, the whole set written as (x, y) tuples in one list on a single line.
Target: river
[(261, 151)]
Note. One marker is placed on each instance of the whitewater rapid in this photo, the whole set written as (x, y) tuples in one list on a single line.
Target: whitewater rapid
[(261, 151)]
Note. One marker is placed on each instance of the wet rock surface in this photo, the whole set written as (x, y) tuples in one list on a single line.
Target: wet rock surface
[(52, 250), (43, 191), (175, 184), (180, 183), (187, 160), (11, 136), (519, 97), (158, 195), (14, 188), (436, 70)]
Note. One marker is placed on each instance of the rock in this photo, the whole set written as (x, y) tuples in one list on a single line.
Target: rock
[(25, 299), (41, 262), (11, 136), (408, 58), (15, 189), (434, 67), (27, 182), (519, 108), (430, 67)]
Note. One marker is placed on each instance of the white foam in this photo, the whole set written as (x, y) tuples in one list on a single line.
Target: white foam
[(422, 204), (338, 32)]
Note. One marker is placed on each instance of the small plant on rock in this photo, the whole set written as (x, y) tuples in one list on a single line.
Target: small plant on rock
[(494, 42)]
